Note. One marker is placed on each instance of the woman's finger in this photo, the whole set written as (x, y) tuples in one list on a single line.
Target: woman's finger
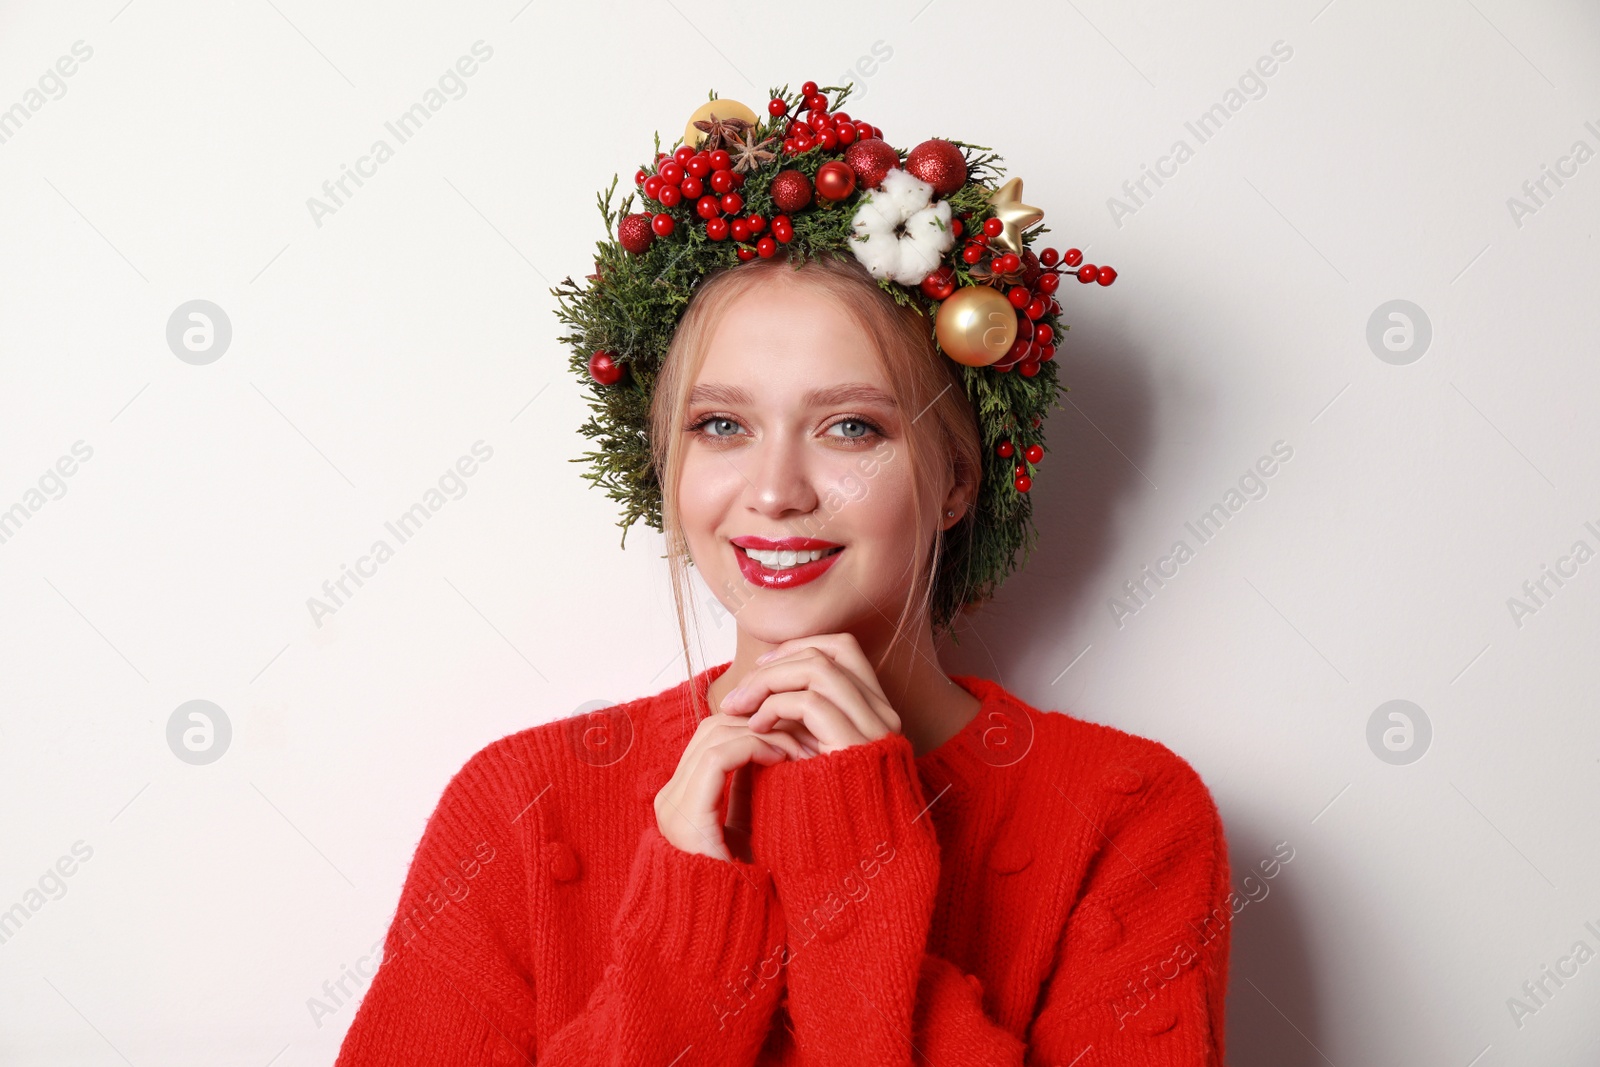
[(812, 669), (823, 718)]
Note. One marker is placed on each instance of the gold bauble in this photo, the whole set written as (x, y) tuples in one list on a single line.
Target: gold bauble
[(976, 325), (724, 109), (1014, 215)]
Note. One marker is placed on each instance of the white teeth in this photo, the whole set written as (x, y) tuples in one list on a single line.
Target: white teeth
[(775, 560)]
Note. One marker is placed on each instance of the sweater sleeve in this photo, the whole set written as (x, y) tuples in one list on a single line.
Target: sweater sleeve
[(456, 984), (1141, 971), (855, 861)]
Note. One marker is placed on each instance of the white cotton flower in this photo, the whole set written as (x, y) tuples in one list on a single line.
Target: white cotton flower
[(900, 233)]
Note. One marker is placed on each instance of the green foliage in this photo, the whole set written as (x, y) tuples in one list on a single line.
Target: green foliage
[(631, 307)]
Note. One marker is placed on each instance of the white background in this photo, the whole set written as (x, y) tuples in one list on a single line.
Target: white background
[(371, 351)]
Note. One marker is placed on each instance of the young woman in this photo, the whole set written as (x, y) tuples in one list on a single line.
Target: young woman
[(825, 850)]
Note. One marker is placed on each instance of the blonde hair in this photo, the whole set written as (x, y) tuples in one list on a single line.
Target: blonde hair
[(942, 437)]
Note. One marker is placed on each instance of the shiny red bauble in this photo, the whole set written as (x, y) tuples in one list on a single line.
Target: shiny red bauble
[(1034, 453), (835, 180), (604, 368)]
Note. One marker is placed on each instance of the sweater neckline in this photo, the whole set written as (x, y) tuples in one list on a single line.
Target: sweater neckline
[(964, 756)]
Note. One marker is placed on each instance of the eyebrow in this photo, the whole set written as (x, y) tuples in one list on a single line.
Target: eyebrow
[(860, 392)]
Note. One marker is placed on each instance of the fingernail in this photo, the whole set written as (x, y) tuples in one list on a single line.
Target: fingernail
[(766, 656), (733, 695)]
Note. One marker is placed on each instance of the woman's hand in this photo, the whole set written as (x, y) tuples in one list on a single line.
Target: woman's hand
[(824, 683), (688, 807)]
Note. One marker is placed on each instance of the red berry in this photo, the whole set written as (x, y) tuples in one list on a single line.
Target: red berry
[(740, 229), (670, 195), (707, 207), (721, 181), (956, 227), (993, 227), (1023, 483), (1043, 334), (671, 173), (652, 186), (808, 88), (732, 203), (1028, 367), (1106, 276), (1004, 449), (1047, 353), (682, 154), (782, 230), (828, 140), (1035, 309), (699, 165), (691, 187), (604, 368), (847, 135), (1086, 273), (1048, 281), (971, 253), (1049, 257), (639, 176), (1009, 263), (720, 160), (757, 223), (1072, 258), (1021, 469), (1019, 297), (717, 228), (766, 248), (1034, 453), (777, 108), (746, 253), (738, 179), (662, 224), (816, 101)]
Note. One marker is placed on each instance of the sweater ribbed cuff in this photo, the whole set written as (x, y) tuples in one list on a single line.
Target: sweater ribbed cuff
[(830, 812), (693, 911)]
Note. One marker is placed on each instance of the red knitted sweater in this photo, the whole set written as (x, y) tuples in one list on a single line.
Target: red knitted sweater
[(1038, 890)]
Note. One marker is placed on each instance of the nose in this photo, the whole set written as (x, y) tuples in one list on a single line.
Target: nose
[(780, 481)]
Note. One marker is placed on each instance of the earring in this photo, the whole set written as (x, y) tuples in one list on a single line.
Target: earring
[(949, 514)]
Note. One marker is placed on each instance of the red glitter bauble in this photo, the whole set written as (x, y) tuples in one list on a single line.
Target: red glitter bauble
[(835, 180), (871, 159), (635, 234), (791, 190), (940, 164)]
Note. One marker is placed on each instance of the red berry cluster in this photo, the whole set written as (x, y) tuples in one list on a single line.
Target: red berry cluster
[(1033, 454), (708, 181), (819, 126)]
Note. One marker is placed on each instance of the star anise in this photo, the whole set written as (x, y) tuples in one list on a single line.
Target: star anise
[(720, 132), (748, 155)]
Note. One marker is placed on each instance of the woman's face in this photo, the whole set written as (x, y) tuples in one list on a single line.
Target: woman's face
[(791, 432)]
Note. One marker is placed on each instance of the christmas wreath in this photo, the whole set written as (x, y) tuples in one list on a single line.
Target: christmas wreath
[(934, 226)]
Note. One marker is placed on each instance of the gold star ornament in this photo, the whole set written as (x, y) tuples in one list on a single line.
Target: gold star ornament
[(1014, 215)]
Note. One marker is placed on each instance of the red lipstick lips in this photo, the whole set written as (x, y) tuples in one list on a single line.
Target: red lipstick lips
[(759, 574)]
